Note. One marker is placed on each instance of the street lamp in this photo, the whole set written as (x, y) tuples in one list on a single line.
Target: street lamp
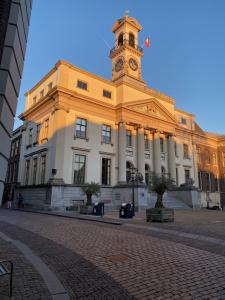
[(135, 177)]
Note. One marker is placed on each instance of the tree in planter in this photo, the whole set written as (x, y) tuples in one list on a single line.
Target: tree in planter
[(90, 189), (159, 184)]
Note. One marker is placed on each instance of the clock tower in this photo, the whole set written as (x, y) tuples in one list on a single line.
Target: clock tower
[(126, 54)]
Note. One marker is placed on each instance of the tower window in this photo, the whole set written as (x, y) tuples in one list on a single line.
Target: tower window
[(131, 39), (120, 39)]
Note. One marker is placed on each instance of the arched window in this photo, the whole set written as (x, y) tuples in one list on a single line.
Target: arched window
[(131, 39), (147, 174), (120, 39), (163, 170), (129, 166)]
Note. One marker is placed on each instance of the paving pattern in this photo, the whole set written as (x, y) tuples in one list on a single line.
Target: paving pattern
[(100, 261), (26, 281)]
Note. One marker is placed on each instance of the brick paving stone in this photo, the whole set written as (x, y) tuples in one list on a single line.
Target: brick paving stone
[(27, 283), (153, 268)]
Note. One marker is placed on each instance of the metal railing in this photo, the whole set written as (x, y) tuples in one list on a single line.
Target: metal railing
[(127, 43)]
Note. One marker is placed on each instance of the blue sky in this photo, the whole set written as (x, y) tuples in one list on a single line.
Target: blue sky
[(186, 59)]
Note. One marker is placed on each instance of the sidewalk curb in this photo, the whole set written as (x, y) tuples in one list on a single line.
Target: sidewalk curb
[(113, 222)]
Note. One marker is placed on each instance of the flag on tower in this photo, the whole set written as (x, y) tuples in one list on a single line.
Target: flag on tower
[(147, 42)]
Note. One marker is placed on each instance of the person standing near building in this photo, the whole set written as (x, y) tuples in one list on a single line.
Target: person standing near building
[(11, 197), (20, 200)]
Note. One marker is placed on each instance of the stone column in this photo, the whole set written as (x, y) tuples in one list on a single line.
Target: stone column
[(157, 152), (140, 151), (122, 152), (171, 157)]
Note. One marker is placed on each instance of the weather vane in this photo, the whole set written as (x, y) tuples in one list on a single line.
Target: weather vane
[(127, 12)]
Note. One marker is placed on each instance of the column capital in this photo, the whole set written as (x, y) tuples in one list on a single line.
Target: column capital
[(120, 122)]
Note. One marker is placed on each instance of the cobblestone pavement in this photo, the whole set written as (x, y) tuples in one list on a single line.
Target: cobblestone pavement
[(129, 264), (26, 280)]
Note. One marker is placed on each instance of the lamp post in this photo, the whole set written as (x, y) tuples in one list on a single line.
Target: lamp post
[(135, 177)]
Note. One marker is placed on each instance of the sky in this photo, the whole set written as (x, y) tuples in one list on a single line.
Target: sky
[(186, 59)]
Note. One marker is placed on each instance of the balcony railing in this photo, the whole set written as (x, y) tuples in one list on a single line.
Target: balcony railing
[(127, 43)]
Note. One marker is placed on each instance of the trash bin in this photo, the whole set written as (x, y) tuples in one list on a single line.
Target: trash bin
[(126, 210), (98, 209)]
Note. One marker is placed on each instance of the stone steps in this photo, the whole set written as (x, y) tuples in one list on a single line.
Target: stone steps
[(170, 202)]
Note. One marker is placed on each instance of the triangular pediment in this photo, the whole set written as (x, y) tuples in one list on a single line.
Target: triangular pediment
[(151, 107)]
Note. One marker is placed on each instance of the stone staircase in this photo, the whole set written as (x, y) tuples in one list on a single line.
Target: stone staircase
[(170, 202)]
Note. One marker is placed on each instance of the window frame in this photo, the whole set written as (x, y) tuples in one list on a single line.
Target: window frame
[(27, 172), (186, 151), (83, 85), (80, 180), (128, 138), (34, 169), (43, 158), (107, 94), (80, 136), (162, 146), (107, 169), (146, 141), (103, 137)]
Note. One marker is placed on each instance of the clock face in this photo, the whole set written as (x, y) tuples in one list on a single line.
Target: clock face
[(119, 65), (133, 64)]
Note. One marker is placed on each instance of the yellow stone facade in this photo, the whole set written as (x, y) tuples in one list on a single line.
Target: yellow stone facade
[(125, 103)]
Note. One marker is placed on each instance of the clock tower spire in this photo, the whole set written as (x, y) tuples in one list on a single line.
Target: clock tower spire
[(126, 54)]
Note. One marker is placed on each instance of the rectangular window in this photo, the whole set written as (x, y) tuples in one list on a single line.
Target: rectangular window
[(45, 129), (30, 138), (41, 93), (205, 181), (186, 150), (187, 175), (106, 171), (107, 94), (161, 145), (81, 128), (106, 134), (128, 138), (27, 171), (82, 85), (42, 169), (34, 171), (16, 171), (177, 177), (79, 169), (200, 180), (183, 121), (34, 99), (175, 148), (37, 133), (146, 142), (214, 158), (50, 86), (223, 158)]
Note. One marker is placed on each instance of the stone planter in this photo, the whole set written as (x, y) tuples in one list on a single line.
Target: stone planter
[(86, 209), (160, 215)]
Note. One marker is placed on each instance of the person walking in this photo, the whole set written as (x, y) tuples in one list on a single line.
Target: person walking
[(20, 200)]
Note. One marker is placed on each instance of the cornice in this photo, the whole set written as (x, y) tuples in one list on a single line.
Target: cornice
[(41, 81), (69, 65), (184, 112)]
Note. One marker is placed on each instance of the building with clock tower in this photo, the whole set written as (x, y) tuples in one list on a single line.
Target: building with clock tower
[(79, 127)]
